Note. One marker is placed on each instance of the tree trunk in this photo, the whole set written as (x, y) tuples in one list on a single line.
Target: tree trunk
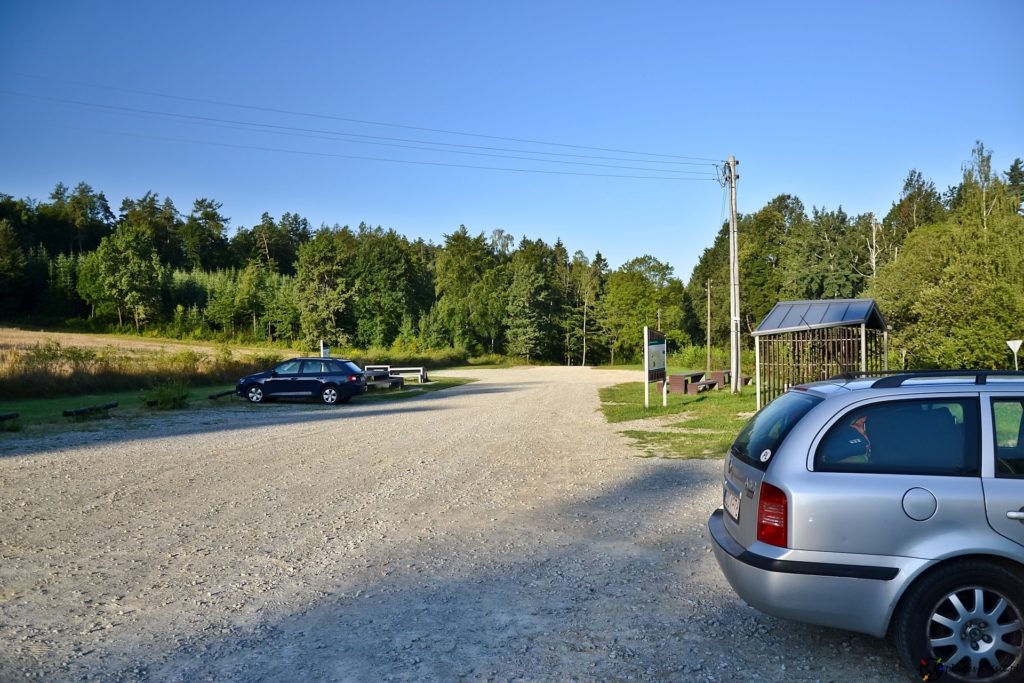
[(584, 360)]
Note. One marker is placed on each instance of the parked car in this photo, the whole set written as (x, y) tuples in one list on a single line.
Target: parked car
[(889, 505), (332, 380)]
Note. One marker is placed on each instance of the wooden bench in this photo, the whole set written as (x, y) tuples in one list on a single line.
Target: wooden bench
[(419, 373), (90, 411), (380, 377), (703, 385), (719, 376), (724, 378)]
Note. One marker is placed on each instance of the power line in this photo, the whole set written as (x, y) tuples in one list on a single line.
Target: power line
[(365, 121), (382, 159), (321, 134)]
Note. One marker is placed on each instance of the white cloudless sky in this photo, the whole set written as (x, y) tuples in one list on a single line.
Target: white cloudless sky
[(335, 111)]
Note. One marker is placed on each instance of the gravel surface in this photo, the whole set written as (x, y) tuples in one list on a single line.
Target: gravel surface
[(497, 531)]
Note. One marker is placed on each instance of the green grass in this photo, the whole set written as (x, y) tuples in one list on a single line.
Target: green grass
[(709, 421), (45, 411), (624, 402), (411, 390), (49, 412)]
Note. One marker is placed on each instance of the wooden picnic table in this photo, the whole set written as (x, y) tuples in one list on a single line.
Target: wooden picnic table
[(679, 383)]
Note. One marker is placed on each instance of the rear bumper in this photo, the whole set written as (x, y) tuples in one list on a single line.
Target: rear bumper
[(852, 592)]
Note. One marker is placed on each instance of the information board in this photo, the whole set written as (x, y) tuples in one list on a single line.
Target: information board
[(655, 363)]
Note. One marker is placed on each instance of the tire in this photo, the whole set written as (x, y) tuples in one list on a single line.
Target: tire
[(964, 622), (254, 393), (329, 394)]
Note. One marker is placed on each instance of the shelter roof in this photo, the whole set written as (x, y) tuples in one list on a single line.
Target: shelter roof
[(794, 316)]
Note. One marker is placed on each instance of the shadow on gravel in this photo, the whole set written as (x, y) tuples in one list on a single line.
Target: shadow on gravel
[(482, 389), (234, 415), (618, 586), (183, 423)]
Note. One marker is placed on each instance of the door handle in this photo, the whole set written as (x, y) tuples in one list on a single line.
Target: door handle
[(1016, 514)]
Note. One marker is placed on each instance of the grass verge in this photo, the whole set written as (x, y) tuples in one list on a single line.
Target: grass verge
[(413, 390), (49, 412), (707, 424)]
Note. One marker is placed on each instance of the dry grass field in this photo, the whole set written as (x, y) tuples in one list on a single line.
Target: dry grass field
[(23, 339), (39, 364)]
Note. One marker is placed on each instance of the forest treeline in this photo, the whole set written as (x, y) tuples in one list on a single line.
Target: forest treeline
[(946, 268)]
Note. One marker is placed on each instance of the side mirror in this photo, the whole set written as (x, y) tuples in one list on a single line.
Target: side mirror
[(273, 373)]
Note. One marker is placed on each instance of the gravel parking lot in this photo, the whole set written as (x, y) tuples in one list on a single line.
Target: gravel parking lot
[(496, 531)]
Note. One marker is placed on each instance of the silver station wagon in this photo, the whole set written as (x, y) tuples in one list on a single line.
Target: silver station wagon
[(889, 505)]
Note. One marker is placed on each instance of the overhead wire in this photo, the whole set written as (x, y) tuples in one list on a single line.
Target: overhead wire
[(381, 159), (365, 121), (323, 135), (393, 139), (650, 168)]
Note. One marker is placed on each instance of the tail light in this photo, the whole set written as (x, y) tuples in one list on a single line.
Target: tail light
[(772, 516), (353, 378)]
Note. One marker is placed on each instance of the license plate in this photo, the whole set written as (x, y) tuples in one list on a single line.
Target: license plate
[(732, 505)]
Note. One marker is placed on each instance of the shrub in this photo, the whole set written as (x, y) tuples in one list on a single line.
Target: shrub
[(488, 359), (696, 357), (262, 361), (166, 395)]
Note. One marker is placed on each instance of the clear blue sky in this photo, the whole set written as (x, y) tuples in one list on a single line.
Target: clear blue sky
[(832, 102)]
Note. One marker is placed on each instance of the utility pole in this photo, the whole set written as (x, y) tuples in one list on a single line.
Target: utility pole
[(707, 328), (734, 277)]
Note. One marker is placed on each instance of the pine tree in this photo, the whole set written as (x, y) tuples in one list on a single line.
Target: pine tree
[(526, 296)]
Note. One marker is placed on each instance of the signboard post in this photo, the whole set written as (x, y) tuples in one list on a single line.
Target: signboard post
[(325, 350), (655, 365), (1014, 345)]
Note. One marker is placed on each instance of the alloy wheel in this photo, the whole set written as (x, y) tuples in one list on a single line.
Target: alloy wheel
[(977, 634)]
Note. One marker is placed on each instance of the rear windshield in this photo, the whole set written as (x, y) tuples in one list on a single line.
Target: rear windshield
[(761, 436)]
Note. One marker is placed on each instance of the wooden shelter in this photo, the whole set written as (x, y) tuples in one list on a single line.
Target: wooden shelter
[(806, 341)]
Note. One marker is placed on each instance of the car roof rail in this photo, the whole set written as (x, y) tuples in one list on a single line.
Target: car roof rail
[(895, 378), (980, 376), (862, 374)]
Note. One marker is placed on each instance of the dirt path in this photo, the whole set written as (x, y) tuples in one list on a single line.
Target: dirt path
[(496, 531)]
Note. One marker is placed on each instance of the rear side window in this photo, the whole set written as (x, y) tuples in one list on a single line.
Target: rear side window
[(936, 437), (763, 433), (316, 367), (288, 368), (1008, 415)]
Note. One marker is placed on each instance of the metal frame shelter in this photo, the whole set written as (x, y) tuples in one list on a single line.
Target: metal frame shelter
[(806, 341)]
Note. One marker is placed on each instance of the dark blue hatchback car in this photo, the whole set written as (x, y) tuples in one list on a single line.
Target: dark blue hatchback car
[(332, 380)]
